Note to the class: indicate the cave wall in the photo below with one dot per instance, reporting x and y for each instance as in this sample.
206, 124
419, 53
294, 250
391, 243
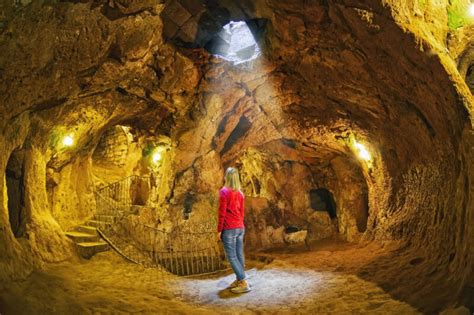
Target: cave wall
330, 73
113, 147
276, 184
70, 193
281, 188
15, 262
351, 199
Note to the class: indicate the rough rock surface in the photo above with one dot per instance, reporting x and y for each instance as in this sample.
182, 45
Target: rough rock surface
296, 237
332, 73
323, 227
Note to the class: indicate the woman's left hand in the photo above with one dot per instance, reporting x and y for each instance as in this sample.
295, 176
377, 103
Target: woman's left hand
219, 236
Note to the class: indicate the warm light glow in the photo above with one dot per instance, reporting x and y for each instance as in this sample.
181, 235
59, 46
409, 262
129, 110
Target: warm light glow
156, 157
68, 141
362, 152
470, 10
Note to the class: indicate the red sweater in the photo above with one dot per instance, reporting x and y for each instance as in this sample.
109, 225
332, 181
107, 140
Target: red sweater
231, 209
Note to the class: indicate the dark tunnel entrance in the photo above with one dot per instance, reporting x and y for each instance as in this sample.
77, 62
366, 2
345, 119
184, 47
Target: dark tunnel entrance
470, 78
322, 200
15, 193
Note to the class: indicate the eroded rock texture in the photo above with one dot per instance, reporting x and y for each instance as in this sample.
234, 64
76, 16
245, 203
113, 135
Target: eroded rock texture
126, 76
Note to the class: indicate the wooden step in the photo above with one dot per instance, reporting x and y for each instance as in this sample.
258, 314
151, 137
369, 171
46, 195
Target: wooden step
89, 249
79, 237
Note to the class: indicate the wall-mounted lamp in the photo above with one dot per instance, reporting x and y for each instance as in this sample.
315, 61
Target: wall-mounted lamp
68, 141
156, 157
362, 152
470, 10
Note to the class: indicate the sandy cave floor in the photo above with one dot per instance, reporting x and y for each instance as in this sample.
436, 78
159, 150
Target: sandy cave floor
296, 281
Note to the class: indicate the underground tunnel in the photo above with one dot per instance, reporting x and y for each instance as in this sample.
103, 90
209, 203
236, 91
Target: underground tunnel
349, 123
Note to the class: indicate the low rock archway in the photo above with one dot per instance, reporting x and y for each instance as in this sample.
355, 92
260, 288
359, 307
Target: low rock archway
15, 192
323, 200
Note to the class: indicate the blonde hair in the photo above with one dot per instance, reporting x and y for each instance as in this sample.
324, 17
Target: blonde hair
232, 179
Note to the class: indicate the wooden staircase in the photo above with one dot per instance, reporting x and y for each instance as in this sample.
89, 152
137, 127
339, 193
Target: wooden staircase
87, 239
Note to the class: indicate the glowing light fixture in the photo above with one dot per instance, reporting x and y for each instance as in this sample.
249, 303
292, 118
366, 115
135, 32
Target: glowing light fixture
156, 157
470, 10
362, 152
68, 141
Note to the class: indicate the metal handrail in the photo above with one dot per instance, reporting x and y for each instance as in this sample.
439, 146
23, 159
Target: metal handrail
174, 251
120, 181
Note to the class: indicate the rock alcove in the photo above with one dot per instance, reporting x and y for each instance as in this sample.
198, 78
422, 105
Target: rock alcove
349, 121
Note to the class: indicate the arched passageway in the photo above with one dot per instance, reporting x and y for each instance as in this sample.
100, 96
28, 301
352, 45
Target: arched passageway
15, 192
323, 200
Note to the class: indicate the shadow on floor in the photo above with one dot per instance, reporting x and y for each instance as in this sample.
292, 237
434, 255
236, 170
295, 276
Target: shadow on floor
226, 294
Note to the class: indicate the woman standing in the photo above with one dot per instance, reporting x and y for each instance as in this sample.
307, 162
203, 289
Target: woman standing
231, 227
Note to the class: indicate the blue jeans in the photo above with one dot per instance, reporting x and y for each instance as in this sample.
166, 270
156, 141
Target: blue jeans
233, 241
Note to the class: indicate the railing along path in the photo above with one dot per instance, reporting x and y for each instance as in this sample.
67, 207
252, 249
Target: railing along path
187, 249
